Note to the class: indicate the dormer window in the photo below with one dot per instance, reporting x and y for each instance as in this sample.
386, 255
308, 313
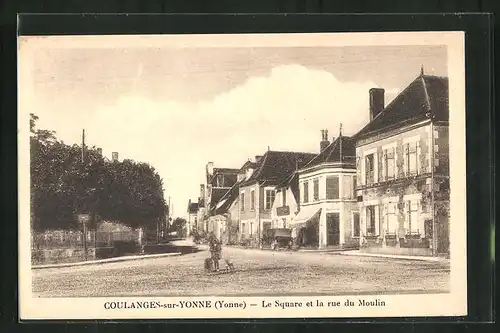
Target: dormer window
220, 180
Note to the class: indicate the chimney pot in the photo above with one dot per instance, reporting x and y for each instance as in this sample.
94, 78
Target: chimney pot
210, 168
324, 143
376, 102
114, 156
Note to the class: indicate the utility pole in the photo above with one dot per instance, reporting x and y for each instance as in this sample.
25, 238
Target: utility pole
84, 222
168, 217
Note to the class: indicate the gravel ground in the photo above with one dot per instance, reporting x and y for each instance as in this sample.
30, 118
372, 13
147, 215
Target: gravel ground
257, 273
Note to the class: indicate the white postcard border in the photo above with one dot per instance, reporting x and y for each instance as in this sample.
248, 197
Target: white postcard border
449, 304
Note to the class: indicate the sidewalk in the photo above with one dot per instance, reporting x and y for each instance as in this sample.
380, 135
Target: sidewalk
103, 261
344, 252
390, 256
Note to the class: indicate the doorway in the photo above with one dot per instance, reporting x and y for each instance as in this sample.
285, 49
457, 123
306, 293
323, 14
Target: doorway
332, 229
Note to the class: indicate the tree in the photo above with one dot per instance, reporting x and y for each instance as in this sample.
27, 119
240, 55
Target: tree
63, 185
179, 226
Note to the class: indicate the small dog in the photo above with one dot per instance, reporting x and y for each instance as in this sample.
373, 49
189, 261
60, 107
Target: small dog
229, 265
209, 265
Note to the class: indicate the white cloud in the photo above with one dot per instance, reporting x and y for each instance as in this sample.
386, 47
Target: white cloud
285, 110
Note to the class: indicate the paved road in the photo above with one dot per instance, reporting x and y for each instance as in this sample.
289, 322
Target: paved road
257, 272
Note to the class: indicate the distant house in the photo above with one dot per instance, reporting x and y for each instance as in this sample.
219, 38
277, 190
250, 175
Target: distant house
403, 166
228, 207
192, 221
201, 209
287, 202
257, 182
328, 215
218, 182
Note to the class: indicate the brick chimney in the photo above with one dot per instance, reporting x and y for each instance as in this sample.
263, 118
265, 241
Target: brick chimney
99, 151
376, 102
114, 156
210, 168
324, 140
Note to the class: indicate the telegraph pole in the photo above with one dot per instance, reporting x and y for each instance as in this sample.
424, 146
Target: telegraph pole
84, 222
83, 147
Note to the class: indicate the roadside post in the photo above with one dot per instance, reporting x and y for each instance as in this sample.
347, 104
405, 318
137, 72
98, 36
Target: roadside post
84, 219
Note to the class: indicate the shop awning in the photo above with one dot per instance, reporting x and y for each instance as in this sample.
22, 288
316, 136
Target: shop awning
305, 215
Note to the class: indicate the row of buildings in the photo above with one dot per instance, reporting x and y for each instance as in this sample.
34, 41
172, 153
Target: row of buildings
385, 189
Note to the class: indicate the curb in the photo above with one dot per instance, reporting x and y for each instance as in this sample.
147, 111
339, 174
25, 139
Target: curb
354, 254
390, 256
104, 261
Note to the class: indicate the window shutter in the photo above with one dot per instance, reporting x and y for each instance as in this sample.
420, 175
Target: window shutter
377, 166
419, 158
394, 163
332, 187
406, 152
384, 164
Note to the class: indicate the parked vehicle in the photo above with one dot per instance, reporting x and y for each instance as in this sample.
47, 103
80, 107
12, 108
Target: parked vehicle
280, 238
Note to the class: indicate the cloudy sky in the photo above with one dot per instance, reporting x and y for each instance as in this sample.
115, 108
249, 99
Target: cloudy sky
179, 107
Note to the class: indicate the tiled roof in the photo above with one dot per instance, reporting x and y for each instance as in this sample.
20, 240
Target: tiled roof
229, 174
342, 146
217, 194
426, 96
275, 166
225, 170
248, 164
227, 199
193, 208
291, 182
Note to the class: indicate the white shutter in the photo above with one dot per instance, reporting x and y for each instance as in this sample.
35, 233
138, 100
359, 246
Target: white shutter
394, 163
363, 173
405, 159
419, 160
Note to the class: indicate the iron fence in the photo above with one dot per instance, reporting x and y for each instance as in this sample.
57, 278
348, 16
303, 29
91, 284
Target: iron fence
74, 239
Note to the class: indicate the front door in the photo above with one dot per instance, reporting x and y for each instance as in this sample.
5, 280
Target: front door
332, 229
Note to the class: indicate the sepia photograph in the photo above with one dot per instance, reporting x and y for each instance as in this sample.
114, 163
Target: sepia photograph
271, 175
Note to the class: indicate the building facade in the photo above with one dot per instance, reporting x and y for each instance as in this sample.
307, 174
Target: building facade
286, 202
257, 190
218, 182
402, 158
192, 221
329, 214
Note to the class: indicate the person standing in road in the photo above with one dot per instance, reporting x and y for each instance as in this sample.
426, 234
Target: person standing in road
215, 251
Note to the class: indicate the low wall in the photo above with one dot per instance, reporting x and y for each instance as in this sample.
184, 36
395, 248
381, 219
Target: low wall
59, 256
55, 256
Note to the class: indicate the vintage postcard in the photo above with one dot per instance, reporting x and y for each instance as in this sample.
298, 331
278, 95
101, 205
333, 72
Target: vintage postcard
242, 176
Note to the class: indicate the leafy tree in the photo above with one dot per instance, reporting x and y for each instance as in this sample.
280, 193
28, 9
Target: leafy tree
179, 226
64, 183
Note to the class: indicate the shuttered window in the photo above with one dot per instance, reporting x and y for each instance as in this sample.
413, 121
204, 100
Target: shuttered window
332, 187
316, 189
355, 225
